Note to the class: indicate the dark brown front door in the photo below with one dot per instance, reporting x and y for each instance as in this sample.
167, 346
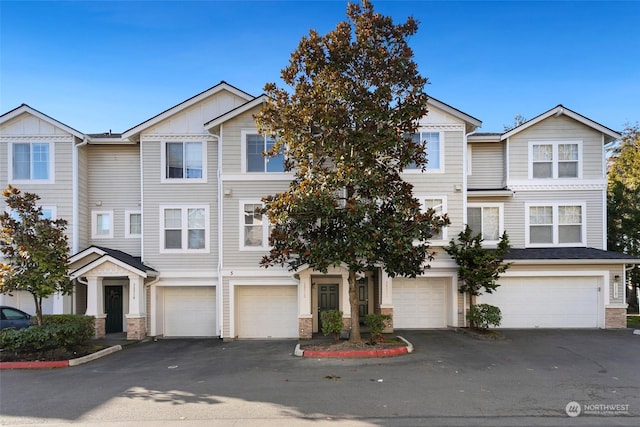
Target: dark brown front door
363, 299
113, 308
327, 299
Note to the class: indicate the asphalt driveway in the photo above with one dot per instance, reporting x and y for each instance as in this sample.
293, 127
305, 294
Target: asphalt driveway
450, 379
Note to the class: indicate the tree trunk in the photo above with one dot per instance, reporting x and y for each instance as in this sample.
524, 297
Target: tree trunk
353, 301
38, 304
471, 324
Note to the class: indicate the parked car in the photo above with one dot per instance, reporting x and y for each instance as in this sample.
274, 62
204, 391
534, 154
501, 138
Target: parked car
11, 317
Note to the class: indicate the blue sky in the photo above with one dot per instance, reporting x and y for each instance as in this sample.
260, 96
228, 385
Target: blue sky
97, 65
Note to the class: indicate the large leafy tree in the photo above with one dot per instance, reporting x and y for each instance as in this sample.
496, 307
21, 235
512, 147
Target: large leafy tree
623, 198
355, 96
35, 250
479, 268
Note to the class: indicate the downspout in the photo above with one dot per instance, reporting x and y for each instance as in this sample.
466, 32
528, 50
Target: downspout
464, 206
219, 293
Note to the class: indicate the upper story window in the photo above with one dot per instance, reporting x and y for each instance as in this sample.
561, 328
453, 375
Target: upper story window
255, 226
102, 224
132, 224
555, 224
184, 229
439, 205
184, 161
486, 218
554, 159
254, 148
432, 142
31, 161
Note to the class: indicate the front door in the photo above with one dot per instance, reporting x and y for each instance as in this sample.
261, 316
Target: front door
113, 308
363, 299
327, 300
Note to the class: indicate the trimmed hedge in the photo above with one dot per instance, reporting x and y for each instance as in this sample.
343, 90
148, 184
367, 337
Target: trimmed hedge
67, 331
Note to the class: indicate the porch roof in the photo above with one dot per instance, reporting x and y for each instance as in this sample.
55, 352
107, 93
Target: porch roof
118, 257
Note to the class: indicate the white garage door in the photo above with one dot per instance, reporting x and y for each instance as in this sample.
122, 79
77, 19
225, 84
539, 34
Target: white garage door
267, 312
419, 303
190, 311
546, 302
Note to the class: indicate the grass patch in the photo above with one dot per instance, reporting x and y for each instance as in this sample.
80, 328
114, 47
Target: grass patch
633, 321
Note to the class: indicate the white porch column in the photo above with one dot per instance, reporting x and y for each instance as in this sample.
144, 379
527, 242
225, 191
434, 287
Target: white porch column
95, 297
304, 295
344, 295
386, 299
137, 306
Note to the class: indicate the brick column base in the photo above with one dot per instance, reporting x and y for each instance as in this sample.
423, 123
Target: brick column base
615, 318
136, 328
388, 325
99, 327
305, 328
346, 322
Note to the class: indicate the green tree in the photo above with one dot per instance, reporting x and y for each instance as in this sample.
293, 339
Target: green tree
356, 97
623, 198
518, 119
35, 250
478, 268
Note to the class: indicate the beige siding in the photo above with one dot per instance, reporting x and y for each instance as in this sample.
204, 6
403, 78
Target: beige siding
557, 129
113, 185
84, 215
514, 213
487, 163
232, 141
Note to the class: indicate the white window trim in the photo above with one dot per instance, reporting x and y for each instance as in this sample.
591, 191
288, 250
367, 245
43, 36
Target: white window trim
185, 229
53, 209
265, 227
94, 223
555, 224
500, 207
52, 163
127, 224
243, 157
163, 162
554, 167
422, 197
442, 148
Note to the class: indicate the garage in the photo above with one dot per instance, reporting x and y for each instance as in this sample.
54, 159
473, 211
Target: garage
190, 311
420, 303
546, 302
267, 312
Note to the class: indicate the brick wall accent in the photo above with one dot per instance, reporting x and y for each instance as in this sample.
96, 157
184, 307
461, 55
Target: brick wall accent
100, 327
346, 321
615, 318
136, 328
305, 328
389, 325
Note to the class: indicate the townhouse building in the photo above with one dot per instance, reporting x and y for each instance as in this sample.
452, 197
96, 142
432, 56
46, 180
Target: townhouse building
166, 242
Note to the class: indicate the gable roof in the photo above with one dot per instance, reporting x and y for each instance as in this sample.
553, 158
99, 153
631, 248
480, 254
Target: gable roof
183, 105
123, 259
470, 120
24, 108
610, 135
235, 112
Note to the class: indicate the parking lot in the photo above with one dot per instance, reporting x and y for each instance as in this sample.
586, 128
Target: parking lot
529, 378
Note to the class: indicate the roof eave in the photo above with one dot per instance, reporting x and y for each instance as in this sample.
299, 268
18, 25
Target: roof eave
235, 112
24, 108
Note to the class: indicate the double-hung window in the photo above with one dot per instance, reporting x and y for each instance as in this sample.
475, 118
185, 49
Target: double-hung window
555, 224
255, 226
432, 143
132, 224
486, 218
102, 224
184, 161
554, 159
255, 147
439, 205
31, 161
184, 229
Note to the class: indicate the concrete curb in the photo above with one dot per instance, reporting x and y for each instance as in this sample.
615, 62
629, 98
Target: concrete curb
60, 363
386, 352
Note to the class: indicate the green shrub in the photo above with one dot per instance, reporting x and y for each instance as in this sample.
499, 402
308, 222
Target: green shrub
57, 331
332, 323
482, 316
376, 323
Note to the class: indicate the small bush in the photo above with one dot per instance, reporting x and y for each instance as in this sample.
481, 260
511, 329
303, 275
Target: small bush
57, 331
332, 323
482, 316
376, 323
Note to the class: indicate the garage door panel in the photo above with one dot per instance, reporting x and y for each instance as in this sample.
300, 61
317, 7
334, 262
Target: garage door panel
419, 303
267, 311
190, 311
546, 302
